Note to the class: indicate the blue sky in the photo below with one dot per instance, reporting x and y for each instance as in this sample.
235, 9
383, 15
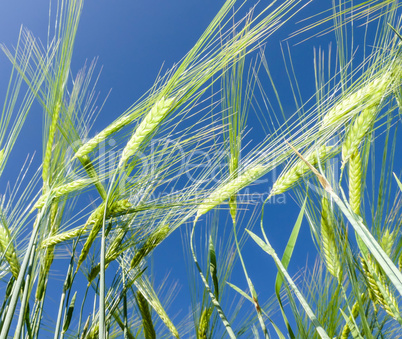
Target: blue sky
132, 39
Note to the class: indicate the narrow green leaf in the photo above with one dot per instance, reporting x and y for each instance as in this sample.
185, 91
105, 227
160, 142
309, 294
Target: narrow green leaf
287, 255
70, 311
244, 294
399, 183
268, 248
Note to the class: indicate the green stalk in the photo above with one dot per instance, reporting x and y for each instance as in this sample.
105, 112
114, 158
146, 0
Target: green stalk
24, 300
215, 302
20, 280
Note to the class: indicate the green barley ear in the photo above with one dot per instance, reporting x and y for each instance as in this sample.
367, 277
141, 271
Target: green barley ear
7, 247
227, 190
289, 178
377, 286
387, 241
355, 313
147, 324
112, 253
59, 238
91, 144
360, 127
330, 249
355, 182
147, 126
96, 219
369, 95
62, 190
204, 323
85, 329
154, 239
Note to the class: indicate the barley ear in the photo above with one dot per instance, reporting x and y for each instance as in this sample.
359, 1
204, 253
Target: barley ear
147, 324
357, 131
355, 182
59, 238
112, 253
387, 241
61, 190
290, 177
379, 291
96, 219
154, 239
226, 191
7, 247
91, 144
147, 126
330, 249
355, 313
369, 95
203, 326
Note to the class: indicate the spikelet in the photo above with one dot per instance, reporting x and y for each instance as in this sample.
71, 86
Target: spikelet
7, 247
355, 182
91, 144
357, 131
62, 190
375, 293
147, 324
291, 176
147, 126
387, 241
330, 249
204, 323
49, 145
153, 240
224, 192
355, 313
368, 95
96, 219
